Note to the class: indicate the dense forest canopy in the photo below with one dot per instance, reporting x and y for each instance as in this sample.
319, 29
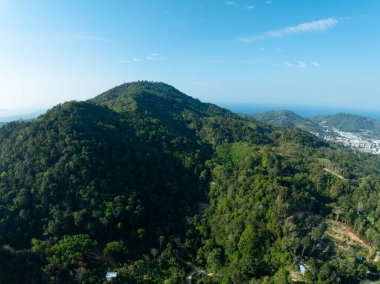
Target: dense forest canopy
149, 182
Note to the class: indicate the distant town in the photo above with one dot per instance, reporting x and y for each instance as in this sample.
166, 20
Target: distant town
354, 140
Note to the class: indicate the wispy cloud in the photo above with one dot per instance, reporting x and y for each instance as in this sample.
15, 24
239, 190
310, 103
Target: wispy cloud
268, 2
309, 27
135, 60
230, 3
302, 64
150, 57
153, 57
315, 64
299, 64
251, 7
287, 63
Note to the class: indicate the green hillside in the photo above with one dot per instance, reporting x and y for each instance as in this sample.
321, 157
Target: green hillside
149, 182
341, 121
349, 122
286, 118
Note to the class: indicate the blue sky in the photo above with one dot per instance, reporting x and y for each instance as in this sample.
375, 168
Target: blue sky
281, 52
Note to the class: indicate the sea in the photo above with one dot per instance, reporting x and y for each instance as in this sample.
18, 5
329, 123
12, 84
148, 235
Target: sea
12, 115
304, 111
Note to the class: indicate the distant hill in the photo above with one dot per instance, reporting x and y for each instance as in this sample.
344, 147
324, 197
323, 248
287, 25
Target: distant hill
24, 116
354, 131
348, 122
287, 118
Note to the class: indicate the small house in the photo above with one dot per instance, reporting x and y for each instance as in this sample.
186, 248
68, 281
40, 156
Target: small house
302, 269
111, 275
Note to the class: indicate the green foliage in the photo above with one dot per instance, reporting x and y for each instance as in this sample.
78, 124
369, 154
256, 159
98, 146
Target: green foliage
68, 255
114, 249
287, 118
350, 122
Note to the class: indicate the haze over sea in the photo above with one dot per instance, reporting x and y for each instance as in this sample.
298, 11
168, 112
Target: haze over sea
304, 111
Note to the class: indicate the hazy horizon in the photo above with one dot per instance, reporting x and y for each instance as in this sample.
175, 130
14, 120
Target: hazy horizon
302, 110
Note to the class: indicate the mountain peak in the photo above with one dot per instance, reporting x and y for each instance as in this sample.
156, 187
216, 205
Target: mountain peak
136, 88
154, 97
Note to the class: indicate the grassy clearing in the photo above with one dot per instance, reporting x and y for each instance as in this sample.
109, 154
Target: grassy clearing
346, 241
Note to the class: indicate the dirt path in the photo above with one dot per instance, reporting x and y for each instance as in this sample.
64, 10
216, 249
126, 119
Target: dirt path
190, 275
194, 270
352, 235
334, 173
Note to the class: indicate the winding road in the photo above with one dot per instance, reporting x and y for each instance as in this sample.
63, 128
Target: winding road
190, 275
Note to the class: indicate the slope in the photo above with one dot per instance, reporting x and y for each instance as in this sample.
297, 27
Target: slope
349, 123
286, 118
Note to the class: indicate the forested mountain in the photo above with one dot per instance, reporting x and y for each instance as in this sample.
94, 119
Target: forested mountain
349, 122
356, 132
149, 182
287, 118
342, 121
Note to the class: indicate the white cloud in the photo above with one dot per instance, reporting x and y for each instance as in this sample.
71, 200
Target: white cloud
153, 57
287, 63
301, 64
135, 59
298, 64
309, 27
230, 3
251, 7
315, 64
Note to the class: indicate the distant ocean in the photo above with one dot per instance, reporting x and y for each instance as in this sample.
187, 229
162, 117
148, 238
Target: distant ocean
7, 116
304, 111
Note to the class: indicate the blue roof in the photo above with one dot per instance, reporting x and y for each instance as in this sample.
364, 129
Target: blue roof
111, 275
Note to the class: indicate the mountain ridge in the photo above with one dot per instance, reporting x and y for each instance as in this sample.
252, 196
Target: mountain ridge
349, 122
354, 131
